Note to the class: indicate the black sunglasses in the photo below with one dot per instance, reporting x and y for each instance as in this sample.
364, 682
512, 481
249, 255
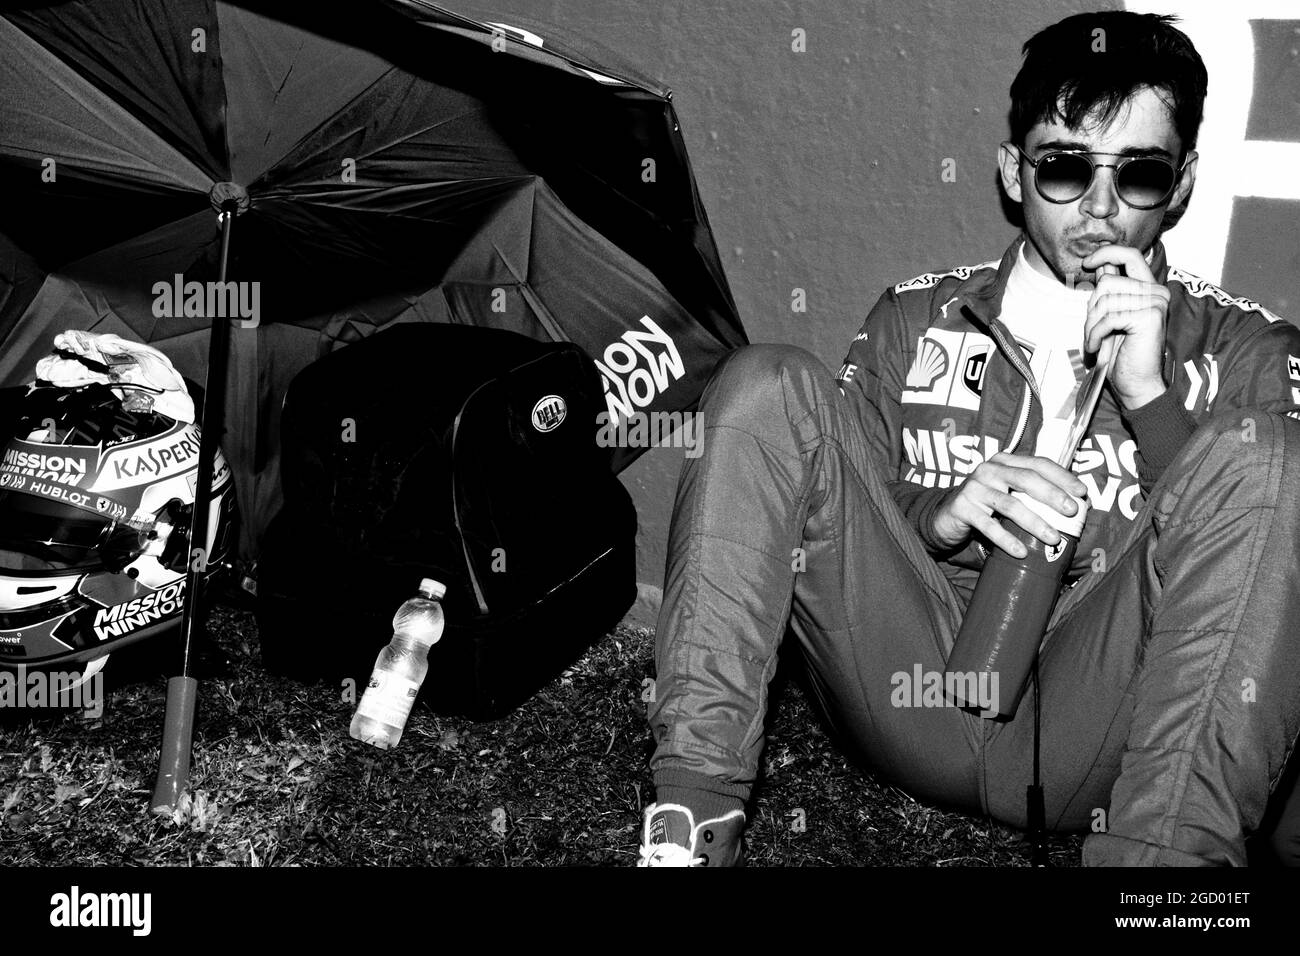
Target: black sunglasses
1143, 182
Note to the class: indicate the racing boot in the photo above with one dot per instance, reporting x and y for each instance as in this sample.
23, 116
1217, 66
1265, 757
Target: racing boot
673, 838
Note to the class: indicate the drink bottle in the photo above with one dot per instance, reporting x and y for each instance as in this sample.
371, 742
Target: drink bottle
400, 669
1013, 600
1008, 614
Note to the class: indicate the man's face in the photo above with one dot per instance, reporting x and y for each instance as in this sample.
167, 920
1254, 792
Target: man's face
1062, 235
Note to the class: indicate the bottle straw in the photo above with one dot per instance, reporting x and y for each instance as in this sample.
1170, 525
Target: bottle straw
1090, 391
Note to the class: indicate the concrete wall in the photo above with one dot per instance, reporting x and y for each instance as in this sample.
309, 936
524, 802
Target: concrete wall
822, 170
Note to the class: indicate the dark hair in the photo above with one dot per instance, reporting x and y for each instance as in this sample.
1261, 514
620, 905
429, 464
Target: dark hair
1096, 61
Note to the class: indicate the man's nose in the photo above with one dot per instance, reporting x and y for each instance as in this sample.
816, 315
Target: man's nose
1101, 201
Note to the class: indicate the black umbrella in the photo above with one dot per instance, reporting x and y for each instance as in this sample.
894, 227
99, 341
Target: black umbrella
389, 162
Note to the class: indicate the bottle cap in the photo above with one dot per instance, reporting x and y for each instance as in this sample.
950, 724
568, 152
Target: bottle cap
432, 589
1065, 524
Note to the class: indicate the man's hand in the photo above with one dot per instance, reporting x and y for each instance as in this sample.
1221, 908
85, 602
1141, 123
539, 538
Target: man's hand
1136, 306
971, 505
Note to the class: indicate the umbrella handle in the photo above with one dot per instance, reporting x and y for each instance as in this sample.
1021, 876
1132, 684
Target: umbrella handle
178, 734
182, 689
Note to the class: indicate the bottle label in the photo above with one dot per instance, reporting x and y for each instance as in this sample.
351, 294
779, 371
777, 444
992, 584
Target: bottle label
388, 698
1065, 524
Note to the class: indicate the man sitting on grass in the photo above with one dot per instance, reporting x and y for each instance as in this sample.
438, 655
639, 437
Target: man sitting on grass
860, 511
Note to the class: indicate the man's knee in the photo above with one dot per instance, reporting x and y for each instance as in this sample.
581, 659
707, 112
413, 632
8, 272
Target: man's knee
754, 376
1244, 433
1245, 450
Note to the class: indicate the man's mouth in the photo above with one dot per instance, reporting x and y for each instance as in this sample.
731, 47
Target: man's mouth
1084, 246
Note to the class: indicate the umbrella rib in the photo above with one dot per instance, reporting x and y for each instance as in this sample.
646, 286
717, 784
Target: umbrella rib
543, 314
330, 196
182, 173
270, 128
530, 294
124, 171
402, 139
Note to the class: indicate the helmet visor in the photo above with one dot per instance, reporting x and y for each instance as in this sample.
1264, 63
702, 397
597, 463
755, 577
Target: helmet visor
37, 534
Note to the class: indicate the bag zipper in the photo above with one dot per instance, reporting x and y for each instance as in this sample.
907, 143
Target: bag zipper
479, 597
455, 507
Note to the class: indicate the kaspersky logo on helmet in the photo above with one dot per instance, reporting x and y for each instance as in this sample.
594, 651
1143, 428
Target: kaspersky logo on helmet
174, 452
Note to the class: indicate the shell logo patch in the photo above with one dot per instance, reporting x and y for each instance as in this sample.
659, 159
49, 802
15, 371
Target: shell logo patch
930, 364
948, 369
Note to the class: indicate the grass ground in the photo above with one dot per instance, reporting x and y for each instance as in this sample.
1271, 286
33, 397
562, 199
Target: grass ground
277, 781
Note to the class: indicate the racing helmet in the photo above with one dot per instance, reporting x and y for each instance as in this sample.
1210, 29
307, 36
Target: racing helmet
96, 496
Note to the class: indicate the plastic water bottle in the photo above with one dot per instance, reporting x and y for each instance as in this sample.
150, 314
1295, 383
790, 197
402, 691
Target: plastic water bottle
400, 669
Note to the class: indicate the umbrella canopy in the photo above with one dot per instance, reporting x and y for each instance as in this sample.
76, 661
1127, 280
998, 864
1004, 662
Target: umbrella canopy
394, 162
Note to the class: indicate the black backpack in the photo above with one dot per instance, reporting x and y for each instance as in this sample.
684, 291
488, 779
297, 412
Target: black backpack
460, 453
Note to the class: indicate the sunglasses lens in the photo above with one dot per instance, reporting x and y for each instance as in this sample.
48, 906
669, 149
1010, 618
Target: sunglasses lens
1145, 182
1063, 177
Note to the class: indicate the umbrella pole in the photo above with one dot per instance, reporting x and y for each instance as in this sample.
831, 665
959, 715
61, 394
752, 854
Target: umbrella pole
182, 689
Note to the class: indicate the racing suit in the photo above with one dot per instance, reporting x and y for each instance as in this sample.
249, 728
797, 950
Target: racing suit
1170, 672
